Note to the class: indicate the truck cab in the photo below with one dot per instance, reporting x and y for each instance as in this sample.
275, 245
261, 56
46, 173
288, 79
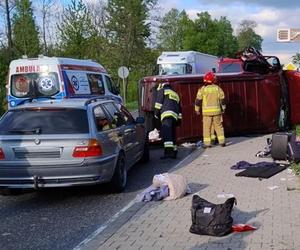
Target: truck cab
185, 62
230, 65
57, 78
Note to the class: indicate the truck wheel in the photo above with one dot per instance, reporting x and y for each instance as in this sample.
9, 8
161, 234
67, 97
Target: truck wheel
279, 146
119, 179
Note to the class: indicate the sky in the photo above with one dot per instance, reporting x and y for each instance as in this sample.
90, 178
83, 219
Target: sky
268, 14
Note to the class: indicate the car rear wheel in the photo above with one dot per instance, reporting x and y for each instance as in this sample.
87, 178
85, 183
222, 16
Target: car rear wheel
119, 179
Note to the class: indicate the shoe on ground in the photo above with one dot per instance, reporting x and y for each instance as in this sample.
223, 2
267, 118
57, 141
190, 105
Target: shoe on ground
223, 145
214, 142
206, 146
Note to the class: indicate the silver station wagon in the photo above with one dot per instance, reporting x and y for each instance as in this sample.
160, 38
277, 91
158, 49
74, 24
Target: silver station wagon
68, 143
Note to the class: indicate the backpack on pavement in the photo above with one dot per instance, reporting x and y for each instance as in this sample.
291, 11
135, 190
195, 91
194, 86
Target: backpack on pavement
211, 219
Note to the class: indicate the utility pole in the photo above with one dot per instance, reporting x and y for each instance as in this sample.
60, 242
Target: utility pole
8, 29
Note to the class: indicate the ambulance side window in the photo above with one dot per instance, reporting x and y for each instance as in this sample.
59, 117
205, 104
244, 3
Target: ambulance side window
96, 84
110, 85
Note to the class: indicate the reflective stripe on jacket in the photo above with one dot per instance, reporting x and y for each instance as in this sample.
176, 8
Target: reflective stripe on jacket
167, 104
211, 97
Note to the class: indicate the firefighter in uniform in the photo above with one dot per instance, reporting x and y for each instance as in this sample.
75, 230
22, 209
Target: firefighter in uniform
167, 108
211, 96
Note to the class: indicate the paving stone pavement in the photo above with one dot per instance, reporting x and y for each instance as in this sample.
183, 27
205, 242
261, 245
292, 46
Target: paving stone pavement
165, 224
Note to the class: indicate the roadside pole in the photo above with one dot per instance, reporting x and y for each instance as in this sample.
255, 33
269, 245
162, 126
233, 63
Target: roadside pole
123, 73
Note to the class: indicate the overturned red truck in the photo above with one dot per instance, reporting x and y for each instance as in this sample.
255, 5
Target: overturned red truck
260, 97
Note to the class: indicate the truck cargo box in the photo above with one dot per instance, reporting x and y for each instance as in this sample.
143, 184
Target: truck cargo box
253, 102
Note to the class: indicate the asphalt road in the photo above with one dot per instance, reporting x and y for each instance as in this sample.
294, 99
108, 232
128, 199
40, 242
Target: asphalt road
62, 218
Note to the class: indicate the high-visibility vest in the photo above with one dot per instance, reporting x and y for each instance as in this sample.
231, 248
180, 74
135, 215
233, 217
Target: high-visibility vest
211, 97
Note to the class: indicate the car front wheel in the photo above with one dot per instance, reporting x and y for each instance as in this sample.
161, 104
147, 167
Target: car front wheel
119, 179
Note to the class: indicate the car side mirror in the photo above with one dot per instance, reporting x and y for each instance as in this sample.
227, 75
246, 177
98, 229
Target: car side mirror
140, 120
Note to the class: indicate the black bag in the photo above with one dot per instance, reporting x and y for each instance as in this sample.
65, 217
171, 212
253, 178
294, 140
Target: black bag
211, 219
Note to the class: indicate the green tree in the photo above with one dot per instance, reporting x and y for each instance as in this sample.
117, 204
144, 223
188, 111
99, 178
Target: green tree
25, 34
129, 29
202, 36
247, 37
4, 62
76, 31
172, 29
227, 42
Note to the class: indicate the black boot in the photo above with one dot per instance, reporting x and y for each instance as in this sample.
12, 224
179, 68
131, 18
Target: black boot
168, 153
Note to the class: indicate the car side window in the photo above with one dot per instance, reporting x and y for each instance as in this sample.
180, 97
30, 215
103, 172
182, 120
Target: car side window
128, 117
96, 84
117, 118
101, 120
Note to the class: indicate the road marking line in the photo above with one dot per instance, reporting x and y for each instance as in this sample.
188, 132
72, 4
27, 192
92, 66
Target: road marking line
118, 214
103, 226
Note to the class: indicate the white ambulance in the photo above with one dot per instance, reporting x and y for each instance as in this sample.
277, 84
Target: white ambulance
57, 78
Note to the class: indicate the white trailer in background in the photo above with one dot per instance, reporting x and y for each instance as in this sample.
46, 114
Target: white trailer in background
186, 62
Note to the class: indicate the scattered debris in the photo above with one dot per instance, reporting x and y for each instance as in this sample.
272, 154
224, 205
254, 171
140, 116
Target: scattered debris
273, 187
188, 145
154, 135
243, 228
6, 234
224, 195
165, 186
266, 152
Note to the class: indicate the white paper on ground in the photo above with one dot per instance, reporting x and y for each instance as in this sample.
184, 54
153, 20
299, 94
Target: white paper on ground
226, 196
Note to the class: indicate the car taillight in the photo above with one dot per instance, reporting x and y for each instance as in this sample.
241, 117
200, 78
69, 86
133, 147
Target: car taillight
92, 149
2, 156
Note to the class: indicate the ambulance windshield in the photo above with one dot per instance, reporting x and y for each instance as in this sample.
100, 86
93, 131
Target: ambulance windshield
34, 85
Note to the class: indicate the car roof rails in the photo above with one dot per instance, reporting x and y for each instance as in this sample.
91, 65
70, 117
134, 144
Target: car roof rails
98, 98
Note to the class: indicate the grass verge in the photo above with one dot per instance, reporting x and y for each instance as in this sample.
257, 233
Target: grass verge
296, 168
131, 106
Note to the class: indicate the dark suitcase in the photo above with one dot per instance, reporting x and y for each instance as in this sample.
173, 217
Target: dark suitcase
279, 146
293, 149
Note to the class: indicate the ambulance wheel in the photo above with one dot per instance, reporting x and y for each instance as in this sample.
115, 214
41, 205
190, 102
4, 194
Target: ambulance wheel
119, 179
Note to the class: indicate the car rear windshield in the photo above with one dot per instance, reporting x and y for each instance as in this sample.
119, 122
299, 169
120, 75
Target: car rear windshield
44, 121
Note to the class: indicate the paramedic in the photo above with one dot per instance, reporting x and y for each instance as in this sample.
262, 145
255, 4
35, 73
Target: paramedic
211, 96
167, 109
